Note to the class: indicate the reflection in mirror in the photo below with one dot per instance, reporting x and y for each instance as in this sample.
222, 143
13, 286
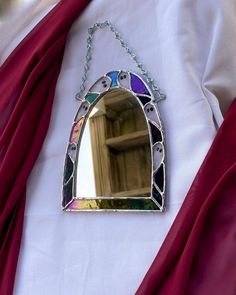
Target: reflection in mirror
114, 158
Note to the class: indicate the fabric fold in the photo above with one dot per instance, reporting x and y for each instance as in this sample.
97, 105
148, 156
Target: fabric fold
28, 79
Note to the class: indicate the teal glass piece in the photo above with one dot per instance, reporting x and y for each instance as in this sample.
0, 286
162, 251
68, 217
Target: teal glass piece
114, 78
91, 97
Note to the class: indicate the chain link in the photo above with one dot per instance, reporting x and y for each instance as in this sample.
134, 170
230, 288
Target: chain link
145, 74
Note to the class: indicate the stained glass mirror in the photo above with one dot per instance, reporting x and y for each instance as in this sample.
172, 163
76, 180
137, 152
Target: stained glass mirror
115, 158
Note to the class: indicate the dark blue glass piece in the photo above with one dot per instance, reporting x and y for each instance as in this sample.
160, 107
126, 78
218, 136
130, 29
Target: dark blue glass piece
114, 78
159, 177
137, 85
156, 133
67, 193
68, 169
157, 196
144, 99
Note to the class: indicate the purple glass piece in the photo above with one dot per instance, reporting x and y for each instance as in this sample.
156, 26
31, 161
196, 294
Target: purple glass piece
137, 85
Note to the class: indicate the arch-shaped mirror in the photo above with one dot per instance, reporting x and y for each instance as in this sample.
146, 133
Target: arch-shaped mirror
115, 158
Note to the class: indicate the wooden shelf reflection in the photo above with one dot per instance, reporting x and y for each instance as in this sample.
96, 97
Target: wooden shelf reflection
129, 140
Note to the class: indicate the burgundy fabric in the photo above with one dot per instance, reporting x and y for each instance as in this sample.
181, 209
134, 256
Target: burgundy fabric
198, 256
27, 85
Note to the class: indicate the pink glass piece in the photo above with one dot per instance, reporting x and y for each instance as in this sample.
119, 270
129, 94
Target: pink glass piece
76, 131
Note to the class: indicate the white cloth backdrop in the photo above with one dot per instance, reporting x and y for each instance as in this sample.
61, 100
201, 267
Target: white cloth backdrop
189, 48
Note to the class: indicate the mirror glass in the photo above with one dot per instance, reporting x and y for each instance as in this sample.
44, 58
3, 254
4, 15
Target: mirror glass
114, 158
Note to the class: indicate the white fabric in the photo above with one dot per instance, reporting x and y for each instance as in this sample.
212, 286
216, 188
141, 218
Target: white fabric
189, 48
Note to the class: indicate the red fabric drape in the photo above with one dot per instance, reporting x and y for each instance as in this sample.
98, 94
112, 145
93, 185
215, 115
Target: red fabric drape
198, 256
27, 85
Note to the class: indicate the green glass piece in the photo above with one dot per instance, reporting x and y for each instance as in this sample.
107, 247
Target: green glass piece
91, 97
114, 204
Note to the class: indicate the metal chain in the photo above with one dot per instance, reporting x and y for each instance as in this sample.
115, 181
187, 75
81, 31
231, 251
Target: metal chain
123, 44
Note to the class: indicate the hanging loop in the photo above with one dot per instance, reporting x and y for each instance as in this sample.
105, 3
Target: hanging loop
145, 74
